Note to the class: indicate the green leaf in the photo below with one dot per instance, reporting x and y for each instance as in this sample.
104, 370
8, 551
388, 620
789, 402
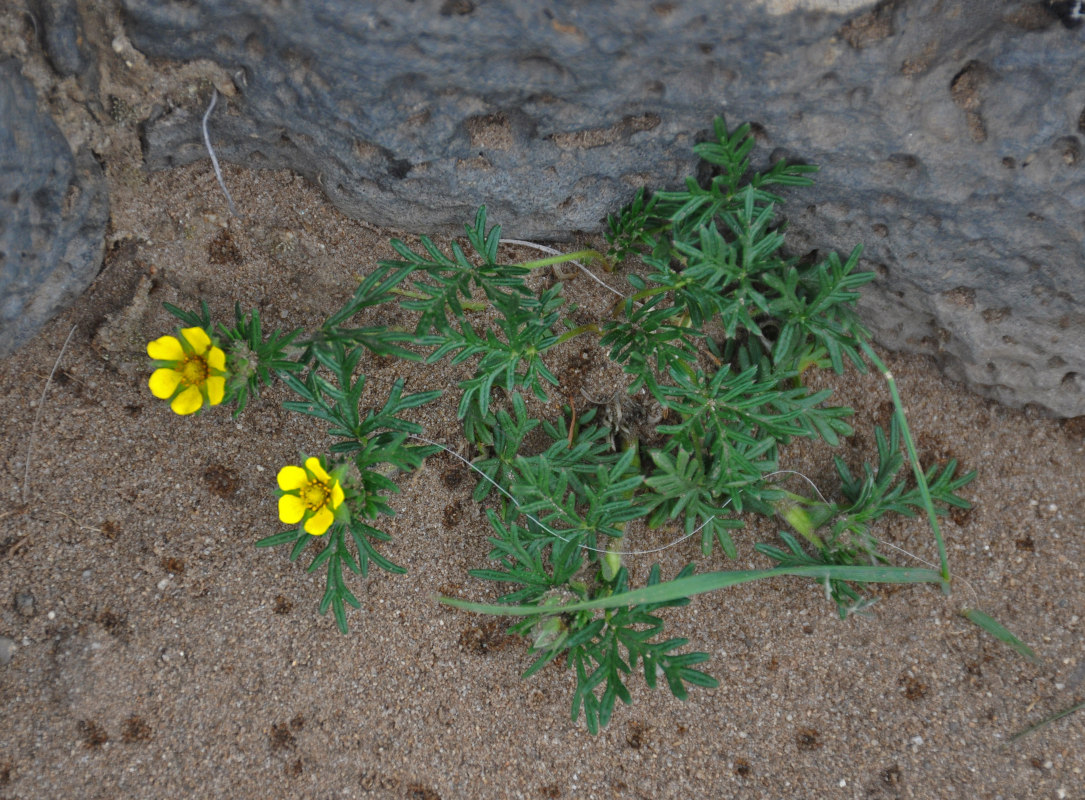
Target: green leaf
1047, 721
993, 627
286, 537
190, 318
710, 582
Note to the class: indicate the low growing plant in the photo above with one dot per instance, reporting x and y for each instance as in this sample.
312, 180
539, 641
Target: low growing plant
715, 330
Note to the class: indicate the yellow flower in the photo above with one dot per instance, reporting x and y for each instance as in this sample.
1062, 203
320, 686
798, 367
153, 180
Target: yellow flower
309, 493
191, 370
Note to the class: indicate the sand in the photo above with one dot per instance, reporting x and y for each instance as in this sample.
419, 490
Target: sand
151, 651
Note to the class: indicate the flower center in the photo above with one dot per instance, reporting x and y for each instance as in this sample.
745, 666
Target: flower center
314, 495
193, 370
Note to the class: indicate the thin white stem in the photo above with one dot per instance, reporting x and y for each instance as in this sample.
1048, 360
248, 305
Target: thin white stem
37, 418
515, 502
551, 251
211, 152
813, 485
956, 578
667, 546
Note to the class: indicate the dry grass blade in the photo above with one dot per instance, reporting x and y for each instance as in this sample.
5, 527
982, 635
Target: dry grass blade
37, 418
1047, 721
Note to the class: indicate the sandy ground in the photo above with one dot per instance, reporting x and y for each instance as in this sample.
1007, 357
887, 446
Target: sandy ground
155, 653
149, 650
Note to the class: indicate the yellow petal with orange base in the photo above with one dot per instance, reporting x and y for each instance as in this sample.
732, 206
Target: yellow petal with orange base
291, 478
165, 348
313, 465
291, 509
164, 381
198, 338
216, 388
319, 523
187, 402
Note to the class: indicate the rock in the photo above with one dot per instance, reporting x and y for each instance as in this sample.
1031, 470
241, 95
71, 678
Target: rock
7, 650
60, 29
949, 136
53, 211
24, 604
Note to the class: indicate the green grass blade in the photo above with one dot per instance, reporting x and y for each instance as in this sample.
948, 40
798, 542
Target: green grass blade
917, 469
995, 628
1047, 721
710, 582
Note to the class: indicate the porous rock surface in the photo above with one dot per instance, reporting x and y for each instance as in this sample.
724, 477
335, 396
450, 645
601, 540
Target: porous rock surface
54, 206
949, 136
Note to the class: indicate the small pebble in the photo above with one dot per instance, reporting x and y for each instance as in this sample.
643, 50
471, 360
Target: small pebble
24, 604
7, 648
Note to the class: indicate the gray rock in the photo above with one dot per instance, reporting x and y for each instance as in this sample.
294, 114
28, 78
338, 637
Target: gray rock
24, 603
53, 211
413, 114
963, 176
949, 136
7, 650
60, 29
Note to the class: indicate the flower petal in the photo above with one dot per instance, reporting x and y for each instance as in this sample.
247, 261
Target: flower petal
165, 348
187, 402
337, 496
291, 509
216, 389
198, 338
164, 381
313, 465
319, 523
292, 478
216, 359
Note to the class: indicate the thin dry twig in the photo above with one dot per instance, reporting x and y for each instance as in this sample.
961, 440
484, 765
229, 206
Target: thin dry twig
1047, 721
211, 152
37, 418
79, 524
14, 549
543, 248
10, 548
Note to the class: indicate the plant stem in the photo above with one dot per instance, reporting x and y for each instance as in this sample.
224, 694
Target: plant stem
1047, 720
921, 479
561, 258
469, 305
644, 294
572, 334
